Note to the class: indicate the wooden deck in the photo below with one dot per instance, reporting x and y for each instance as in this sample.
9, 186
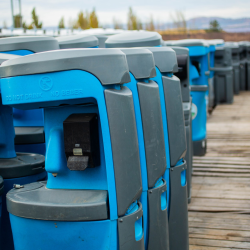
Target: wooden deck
219, 213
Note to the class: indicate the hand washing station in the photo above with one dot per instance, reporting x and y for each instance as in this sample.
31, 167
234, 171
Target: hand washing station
91, 198
183, 74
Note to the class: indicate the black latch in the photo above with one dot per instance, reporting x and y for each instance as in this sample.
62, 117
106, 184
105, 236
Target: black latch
81, 141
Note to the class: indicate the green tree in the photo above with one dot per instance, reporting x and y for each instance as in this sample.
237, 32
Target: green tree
134, 22
35, 20
214, 26
93, 19
83, 20
61, 24
18, 21
150, 25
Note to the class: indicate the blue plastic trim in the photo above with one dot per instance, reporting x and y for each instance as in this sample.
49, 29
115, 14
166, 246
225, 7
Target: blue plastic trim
144, 202
212, 48
183, 178
132, 208
48, 234
199, 122
197, 50
7, 132
194, 74
20, 52
30, 118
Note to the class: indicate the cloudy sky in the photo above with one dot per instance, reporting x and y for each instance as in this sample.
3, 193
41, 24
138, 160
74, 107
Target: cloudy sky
50, 11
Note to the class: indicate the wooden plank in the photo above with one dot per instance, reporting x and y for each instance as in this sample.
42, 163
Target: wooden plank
219, 237
220, 215
192, 247
219, 243
219, 226
220, 232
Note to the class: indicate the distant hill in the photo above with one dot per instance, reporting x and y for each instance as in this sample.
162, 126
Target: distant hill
227, 24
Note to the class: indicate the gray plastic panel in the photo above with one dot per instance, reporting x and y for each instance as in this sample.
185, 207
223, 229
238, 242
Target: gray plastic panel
248, 75
223, 82
77, 41
198, 87
223, 57
236, 80
211, 92
125, 149
178, 213
23, 164
134, 39
165, 59
31, 43
35, 201
5, 57
158, 235
29, 135
1, 185
200, 147
183, 53
140, 62
188, 159
242, 77
152, 130
126, 231
112, 70
175, 118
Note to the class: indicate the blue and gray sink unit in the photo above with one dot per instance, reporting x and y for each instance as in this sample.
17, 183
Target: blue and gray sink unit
151, 146
236, 65
94, 181
175, 144
198, 73
183, 74
245, 64
78, 41
21, 168
29, 123
173, 128
223, 79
